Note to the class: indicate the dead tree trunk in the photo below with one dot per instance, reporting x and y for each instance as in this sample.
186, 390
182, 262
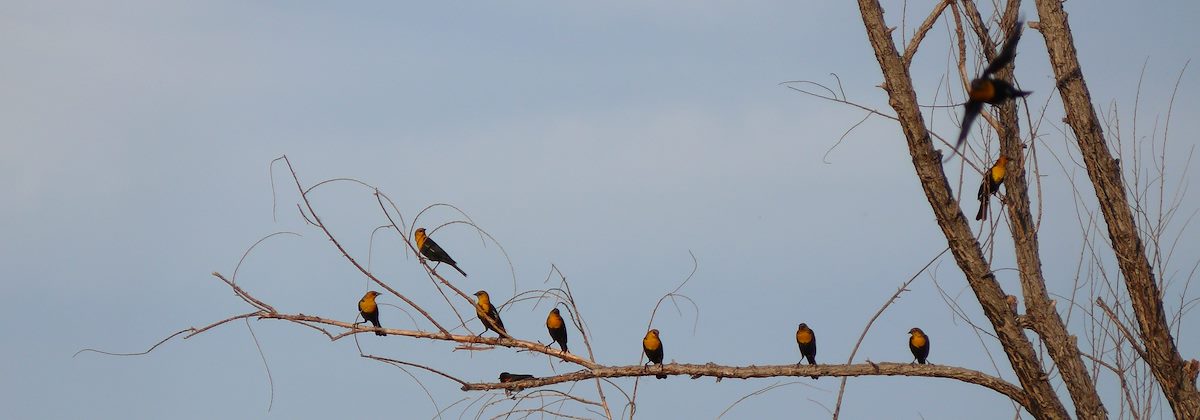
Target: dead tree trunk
1039, 311
1044, 402
1105, 173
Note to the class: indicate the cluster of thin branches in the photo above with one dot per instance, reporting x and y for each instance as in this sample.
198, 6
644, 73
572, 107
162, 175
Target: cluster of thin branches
536, 394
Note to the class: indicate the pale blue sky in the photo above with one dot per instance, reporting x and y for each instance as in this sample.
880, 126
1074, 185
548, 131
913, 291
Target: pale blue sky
609, 139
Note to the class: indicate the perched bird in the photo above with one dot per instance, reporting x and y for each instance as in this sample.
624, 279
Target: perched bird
808, 344
488, 315
432, 251
985, 89
557, 328
513, 377
370, 311
506, 377
654, 350
991, 183
919, 344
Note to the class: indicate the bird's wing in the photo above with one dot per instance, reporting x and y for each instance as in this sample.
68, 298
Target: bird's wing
495, 316
1008, 52
985, 189
970, 111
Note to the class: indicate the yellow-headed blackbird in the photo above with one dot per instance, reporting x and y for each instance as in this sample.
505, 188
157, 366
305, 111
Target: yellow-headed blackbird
985, 89
506, 377
919, 344
991, 183
558, 329
808, 344
488, 315
652, 345
432, 251
370, 311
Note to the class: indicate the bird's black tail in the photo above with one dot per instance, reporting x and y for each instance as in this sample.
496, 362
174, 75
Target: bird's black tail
563, 346
812, 360
499, 329
970, 111
983, 208
464, 273
985, 196
661, 376
376, 324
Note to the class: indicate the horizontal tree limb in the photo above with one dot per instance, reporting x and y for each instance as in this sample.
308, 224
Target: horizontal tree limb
466, 339
747, 372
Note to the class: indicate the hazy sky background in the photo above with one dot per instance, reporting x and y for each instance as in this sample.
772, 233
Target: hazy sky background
609, 139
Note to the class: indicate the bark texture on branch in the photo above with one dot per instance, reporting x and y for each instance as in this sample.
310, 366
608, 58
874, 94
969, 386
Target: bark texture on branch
1043, 401
747, 372
1105, 173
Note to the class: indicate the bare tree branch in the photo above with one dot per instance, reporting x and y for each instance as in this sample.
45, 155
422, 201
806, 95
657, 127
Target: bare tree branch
789, 370
915, 42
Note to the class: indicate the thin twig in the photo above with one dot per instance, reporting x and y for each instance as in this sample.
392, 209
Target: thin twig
915, 42
903, 288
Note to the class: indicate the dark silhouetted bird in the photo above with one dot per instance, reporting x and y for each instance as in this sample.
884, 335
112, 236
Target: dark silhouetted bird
808, 344
557, 328
652, 345
370, 311
513, 377
432, 251
488, 315
991, 183
506, 377
985, 89
918, 342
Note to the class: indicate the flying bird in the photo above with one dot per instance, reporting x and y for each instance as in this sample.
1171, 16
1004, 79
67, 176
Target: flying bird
432, 251
986, 89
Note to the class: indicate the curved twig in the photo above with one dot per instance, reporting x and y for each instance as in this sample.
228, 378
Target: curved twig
761, 391
903, 288
346, 254
134, 354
